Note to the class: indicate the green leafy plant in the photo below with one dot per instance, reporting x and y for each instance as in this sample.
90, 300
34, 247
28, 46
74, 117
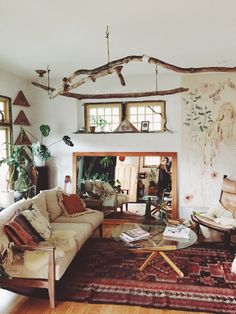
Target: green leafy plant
41, 150
20, 162
99, 122
106, 162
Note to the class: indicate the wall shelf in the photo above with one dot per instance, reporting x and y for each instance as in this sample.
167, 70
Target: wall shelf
92, 133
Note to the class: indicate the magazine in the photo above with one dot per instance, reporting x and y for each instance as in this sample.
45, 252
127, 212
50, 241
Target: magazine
179, 231
134, 235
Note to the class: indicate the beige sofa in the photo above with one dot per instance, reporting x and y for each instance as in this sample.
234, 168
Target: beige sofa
30, 268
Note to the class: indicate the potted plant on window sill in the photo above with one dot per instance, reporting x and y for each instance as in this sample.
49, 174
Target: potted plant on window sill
41, 151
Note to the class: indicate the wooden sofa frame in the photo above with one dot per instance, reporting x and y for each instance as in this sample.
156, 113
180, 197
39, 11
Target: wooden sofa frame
11, 283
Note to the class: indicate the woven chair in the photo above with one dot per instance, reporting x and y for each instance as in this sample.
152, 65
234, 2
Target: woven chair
228, 200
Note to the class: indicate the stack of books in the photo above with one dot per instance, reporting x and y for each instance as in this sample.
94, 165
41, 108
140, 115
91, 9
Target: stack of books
133, 235
179, 232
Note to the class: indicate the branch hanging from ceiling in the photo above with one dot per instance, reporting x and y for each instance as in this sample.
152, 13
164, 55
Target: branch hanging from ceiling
116, 67
125, 95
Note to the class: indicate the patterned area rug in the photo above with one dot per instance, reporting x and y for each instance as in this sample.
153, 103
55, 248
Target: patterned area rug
105, 271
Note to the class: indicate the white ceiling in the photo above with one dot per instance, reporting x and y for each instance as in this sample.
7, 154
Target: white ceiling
70, 34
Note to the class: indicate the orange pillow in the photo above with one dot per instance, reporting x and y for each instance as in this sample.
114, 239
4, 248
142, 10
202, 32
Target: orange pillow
73, 204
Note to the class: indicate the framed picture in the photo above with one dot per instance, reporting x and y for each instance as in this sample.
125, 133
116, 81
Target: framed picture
144, 126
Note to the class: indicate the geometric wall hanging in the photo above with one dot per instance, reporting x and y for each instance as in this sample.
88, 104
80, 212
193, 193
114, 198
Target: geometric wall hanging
126, 126
20, 100
22, 139
21, 119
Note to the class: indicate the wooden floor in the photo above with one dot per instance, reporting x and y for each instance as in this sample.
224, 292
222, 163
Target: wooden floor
11, 303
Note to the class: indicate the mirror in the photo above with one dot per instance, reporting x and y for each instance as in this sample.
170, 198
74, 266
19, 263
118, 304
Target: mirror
139, 174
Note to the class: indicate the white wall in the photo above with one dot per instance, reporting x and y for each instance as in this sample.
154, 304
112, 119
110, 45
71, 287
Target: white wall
59, 113
65, 115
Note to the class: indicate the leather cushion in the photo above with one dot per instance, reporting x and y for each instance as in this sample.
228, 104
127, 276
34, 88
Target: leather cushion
229, 186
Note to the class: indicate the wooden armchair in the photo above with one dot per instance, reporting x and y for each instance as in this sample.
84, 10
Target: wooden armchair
228, 200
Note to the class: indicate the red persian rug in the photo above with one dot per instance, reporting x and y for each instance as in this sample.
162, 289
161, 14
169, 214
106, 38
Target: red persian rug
105, 271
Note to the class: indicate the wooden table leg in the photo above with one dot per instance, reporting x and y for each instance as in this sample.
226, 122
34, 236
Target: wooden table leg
148, 260
172, 264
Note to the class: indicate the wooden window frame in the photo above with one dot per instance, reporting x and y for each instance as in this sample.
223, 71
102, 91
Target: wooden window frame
147, 103
107, 104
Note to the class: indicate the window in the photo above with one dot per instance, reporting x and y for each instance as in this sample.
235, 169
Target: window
151, 111
5, 136
151, 161
106, 117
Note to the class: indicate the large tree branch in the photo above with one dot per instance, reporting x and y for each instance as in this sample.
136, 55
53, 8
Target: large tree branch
116, 66
126, 95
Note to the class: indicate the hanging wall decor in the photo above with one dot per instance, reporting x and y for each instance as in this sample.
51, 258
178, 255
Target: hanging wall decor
21, 119
21, 100
23, 139
126, 126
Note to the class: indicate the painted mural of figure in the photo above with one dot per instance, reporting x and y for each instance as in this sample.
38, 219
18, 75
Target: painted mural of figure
221, 130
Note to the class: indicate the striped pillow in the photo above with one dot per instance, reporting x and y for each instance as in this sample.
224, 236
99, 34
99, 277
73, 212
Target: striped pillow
20, 231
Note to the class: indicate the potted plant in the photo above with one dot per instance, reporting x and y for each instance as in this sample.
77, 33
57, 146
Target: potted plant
21, 172
99, 123
41, 151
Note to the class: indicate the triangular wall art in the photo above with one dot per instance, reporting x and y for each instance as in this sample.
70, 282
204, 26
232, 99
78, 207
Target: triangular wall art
21, 100
22, 139
21, 119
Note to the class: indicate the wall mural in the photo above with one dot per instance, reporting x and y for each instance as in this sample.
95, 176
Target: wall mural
209, 137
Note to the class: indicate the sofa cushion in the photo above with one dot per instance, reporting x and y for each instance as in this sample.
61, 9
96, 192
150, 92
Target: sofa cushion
63, 240
20, 231
38, 222
18, 269
40, 202
52, 199
83, 230
73, 204
92, 217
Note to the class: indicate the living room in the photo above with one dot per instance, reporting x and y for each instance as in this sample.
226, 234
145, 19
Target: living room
66, 36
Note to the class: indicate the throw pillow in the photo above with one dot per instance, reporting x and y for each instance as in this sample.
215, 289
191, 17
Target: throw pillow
39, 201
53, 207
38, 222
73, 204
20, 231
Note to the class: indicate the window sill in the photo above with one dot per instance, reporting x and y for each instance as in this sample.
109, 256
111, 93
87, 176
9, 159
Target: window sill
125, 132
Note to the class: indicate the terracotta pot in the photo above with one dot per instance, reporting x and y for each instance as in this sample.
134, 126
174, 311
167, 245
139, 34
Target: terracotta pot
92, 129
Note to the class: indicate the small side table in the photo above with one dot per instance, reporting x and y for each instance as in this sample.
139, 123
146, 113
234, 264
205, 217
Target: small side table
93, 203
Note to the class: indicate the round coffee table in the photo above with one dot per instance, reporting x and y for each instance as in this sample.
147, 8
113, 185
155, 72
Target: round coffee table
155, 244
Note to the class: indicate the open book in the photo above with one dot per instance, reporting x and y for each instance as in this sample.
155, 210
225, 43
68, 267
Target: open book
134, 235
179, 231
